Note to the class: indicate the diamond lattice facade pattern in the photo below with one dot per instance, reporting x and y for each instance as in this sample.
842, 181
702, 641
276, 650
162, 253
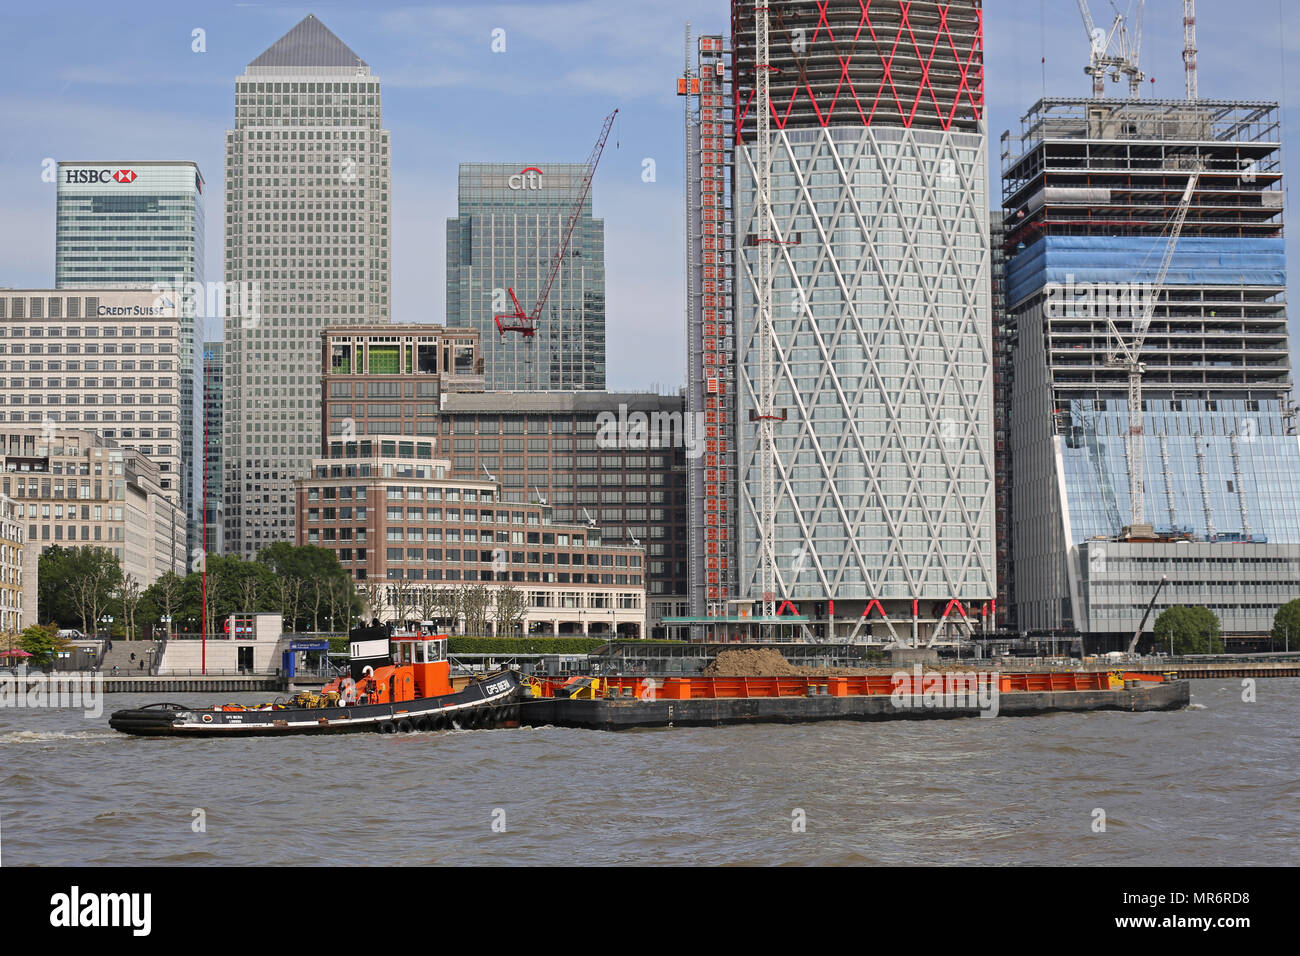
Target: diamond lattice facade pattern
880, 311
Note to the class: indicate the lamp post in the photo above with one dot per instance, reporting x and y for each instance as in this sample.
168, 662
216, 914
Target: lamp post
166, 621
107, 621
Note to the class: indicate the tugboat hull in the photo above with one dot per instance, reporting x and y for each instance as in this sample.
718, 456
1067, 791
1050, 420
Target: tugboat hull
492, 701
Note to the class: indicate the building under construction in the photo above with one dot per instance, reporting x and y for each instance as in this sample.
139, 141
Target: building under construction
856, 337
1090, 190
710, 327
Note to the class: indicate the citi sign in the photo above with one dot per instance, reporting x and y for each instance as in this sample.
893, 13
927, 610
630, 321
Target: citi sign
530, 178
100, 176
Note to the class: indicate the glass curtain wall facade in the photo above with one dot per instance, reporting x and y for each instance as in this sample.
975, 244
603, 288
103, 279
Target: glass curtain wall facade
881, 315
509, 225
1089, 192
140, 225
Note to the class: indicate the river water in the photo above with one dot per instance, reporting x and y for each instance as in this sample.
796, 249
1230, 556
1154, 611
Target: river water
1216, 784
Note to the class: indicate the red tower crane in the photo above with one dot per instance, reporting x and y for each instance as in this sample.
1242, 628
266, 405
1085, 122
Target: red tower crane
523, 322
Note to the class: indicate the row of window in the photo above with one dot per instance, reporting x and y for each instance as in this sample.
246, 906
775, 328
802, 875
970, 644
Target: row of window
516, 577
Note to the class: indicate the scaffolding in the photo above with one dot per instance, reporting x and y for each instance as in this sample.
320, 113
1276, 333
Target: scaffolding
710, 332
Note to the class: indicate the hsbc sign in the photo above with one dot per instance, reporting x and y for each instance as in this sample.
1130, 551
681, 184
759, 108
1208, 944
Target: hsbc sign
82, 175
530, 178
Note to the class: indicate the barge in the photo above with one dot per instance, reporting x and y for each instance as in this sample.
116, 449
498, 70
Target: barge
629, 703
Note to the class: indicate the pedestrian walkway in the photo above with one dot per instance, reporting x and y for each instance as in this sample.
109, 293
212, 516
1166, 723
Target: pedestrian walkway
120, 655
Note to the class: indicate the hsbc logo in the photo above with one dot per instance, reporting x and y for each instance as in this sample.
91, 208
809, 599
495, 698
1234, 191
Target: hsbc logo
530, 178
100, 176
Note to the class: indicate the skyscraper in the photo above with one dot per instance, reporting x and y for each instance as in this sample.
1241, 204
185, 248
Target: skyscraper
139, 225
1091, 188
877, 248
213, 410
510, 221
307, 246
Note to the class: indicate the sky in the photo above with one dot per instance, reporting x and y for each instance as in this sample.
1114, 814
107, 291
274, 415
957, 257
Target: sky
113, 82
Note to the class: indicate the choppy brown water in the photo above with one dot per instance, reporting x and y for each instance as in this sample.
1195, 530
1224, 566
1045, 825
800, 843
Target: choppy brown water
1212, 785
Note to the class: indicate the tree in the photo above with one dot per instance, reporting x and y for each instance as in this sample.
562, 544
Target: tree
426, 601
42, 641
75, 585
163, 598
1286, 624
341, 597
94, 576
373, 592
1194, 630
289, 591
55, 600
475, 599
129, 595
446, 603
309, 565
511, 605
401, 599
317, 587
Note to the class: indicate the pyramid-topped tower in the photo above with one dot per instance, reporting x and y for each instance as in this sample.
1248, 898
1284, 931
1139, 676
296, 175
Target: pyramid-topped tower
307, 247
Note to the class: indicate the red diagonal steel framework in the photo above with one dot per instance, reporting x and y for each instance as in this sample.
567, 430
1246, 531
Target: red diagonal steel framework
880, 37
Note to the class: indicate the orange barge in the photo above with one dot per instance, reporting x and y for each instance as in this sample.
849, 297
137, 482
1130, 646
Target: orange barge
613, 703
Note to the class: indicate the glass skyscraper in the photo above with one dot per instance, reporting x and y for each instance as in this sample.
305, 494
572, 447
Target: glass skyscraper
510, 222
139, 225
880, 317
307, 246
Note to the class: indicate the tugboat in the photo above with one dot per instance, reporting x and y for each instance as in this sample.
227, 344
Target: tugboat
395, 684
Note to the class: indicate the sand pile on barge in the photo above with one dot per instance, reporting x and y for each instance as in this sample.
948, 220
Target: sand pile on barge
751, 662
768, 662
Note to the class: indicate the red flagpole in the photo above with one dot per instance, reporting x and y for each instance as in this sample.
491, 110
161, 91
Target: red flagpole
204, 518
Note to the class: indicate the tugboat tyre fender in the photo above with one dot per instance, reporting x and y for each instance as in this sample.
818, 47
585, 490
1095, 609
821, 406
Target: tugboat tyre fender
387, 727
405, 727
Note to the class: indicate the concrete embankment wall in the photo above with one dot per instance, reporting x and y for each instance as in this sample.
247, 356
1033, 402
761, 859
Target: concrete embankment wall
155, 684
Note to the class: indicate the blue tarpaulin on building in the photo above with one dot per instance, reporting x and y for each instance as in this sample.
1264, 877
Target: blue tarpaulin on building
1197, 260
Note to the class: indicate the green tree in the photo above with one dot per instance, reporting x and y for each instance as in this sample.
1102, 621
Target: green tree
316, 570
163, 599
53, 595
42, 641
1286, 624
1194, 630
76, 585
